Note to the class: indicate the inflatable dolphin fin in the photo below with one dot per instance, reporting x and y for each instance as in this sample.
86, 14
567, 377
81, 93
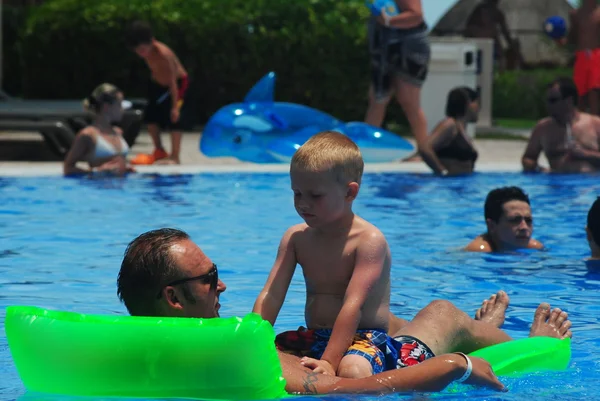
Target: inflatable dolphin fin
262, 91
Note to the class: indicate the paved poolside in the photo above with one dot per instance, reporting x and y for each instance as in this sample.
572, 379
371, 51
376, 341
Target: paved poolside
26, 154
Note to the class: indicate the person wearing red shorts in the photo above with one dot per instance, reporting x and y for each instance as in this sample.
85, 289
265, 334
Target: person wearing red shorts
168, 105
584, 34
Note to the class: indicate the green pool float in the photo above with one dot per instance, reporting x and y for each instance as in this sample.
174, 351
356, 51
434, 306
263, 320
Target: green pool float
77, 354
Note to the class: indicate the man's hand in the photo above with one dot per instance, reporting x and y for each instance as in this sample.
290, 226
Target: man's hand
318, 365
174, 115
483, 375
575, 151
383, 18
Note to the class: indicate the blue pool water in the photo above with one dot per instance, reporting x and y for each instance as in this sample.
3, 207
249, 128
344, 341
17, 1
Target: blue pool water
61, 243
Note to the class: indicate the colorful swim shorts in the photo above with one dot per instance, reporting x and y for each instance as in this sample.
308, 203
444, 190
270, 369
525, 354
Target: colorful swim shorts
411, 351
373, 345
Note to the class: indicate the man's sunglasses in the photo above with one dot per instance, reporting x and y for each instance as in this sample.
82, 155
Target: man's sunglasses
212, 278
554, 99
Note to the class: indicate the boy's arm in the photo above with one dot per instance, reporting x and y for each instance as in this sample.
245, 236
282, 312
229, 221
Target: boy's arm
169, 61
370, 260
271, 297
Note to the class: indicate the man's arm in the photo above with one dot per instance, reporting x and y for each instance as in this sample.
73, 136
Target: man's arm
434, 374
533, 150
411, 14
370, 260
269, 301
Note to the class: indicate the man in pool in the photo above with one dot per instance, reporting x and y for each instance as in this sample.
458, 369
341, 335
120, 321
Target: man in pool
164, 273
507, 214
569, 138
592, 230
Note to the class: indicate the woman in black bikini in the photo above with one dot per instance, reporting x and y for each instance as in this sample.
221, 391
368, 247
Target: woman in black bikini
451, 144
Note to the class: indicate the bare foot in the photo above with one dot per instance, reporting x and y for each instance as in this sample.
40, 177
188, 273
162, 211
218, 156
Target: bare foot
493, 310
167, 160
548, 323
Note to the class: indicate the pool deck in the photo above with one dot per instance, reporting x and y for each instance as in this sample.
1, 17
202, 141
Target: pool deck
25, 154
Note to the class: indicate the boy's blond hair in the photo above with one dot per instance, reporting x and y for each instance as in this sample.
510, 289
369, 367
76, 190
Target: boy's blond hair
330, 151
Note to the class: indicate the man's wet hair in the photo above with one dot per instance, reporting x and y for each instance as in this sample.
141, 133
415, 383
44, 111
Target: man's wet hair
496, 199
593, 221
138, 33
148, 266
567, 88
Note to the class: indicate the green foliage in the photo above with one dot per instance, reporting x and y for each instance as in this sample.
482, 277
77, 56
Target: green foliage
318, 49
521, 94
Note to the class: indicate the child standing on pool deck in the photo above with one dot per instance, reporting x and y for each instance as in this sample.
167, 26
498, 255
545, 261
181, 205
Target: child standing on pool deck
168, 95
346, 265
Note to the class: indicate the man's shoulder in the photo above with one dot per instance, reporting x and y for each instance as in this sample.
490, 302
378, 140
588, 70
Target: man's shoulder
479, 244
542, 125
535, 244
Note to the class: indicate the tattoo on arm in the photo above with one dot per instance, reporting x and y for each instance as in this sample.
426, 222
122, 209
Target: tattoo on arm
309, 382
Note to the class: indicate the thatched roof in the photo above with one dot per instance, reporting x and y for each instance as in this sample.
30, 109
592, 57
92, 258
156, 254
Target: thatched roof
525, 19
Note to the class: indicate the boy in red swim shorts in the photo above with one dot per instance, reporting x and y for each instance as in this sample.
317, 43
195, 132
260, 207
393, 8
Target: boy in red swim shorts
584, 34
168, 95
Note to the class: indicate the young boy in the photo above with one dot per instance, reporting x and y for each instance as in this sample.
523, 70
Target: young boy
168, 97
345, 261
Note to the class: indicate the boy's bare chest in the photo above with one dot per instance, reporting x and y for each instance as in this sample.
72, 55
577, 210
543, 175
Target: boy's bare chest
327, 262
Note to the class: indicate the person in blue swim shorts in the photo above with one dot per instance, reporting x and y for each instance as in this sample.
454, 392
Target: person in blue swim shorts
164, 273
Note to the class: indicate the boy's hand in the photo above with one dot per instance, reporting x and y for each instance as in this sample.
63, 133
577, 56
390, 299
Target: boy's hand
318, 365
174, 115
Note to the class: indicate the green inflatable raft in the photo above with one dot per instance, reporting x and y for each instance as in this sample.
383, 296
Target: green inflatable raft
76, 354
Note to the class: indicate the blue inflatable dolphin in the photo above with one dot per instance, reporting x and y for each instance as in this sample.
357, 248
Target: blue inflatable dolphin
261, 130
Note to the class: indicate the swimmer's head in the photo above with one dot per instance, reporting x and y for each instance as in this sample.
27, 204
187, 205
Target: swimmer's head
106, 99
508, 217
330, 152
164, 273
457, 103
139, 38
325, 175
593, 224
562, 98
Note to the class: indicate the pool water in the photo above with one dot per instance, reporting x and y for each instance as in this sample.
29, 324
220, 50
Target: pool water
62, 240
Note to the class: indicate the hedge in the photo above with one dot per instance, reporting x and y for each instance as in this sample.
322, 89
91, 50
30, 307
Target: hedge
520, 94
317, 48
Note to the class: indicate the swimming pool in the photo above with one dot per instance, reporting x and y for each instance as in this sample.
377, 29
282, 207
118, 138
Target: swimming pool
62, 241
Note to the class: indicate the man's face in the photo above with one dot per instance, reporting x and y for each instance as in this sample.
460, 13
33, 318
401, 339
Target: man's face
196, 298
514, 227
558, 107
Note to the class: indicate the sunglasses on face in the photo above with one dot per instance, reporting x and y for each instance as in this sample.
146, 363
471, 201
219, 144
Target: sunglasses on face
212, 278
515, 220
554, 99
